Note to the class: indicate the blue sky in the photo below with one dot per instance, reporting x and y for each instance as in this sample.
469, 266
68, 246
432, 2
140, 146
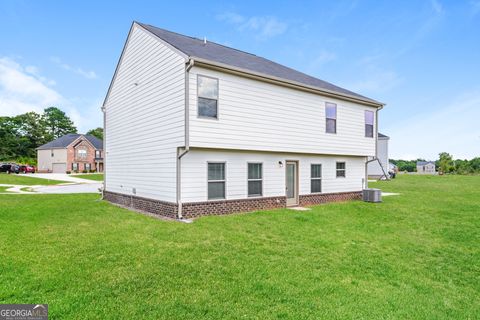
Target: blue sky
422, 58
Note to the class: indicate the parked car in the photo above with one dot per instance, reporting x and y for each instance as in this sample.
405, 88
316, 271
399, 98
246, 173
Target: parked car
26, 169
9, 168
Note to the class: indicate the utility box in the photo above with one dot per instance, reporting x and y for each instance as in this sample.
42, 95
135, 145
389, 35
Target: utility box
372, 195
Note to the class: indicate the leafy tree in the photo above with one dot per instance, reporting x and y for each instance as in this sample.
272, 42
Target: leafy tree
57, 123
97, 132
445, 162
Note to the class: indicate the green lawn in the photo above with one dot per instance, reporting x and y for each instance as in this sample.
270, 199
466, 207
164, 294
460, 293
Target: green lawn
21, 179
91, 176
4, 189
414, 256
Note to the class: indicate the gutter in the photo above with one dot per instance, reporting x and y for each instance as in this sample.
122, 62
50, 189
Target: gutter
181, 152
104, 111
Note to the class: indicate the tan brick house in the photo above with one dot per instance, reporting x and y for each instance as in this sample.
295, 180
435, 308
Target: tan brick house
71, 152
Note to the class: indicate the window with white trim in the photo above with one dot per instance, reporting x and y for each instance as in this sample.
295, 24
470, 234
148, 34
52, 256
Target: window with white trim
207, 97
316, 178
341, 170
75, 166
87, 166
331, 117
369, 118
255, 179
216, 180
82, 153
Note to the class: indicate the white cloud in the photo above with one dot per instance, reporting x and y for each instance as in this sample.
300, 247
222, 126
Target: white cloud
452, 128
86, 74
437, 6
24, 89
322, 58
264, 26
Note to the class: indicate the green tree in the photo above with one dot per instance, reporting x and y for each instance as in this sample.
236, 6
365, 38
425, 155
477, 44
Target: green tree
97, 132
31, 131
445, 162
57, 123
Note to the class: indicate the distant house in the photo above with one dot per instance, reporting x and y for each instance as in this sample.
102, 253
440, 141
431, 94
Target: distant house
426, 167
375, 171
72, 152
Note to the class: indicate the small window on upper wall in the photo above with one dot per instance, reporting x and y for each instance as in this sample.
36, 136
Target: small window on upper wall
369, 118
341, 170
331, 117
207, 96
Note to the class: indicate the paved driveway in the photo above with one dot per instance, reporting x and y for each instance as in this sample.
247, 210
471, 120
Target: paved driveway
63, 177
71, 188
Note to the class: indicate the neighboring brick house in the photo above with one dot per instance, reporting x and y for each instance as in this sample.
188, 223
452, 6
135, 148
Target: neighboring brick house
72, 152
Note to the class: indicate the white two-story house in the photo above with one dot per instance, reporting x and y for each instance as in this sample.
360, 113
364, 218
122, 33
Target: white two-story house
193, 127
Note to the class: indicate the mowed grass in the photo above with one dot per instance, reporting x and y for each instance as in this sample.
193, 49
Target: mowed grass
414, 256
20, 179
91, 176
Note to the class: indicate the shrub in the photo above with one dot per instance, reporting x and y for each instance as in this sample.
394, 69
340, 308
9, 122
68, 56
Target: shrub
84, 171
69, 172
92, 171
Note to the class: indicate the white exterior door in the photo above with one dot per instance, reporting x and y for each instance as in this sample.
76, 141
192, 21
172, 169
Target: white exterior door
291, 183
59, 167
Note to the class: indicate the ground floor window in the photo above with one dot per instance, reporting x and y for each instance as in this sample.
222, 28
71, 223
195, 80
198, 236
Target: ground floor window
341, 169
75, 166
88, 166
216, 180
255, 182
316, 178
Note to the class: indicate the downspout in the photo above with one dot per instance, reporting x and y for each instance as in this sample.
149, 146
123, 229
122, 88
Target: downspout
104, 111
376, 147
183, 151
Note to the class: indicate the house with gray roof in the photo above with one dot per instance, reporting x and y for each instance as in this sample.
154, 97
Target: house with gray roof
219, 130
426, 167
72, 152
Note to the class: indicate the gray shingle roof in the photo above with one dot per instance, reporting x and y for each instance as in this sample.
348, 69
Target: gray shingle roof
422, 163
381, 135
196, 48
67, 139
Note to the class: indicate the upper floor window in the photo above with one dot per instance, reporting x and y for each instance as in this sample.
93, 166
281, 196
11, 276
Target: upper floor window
316, 178
82, 153
331, 116
341, 170
216, 180
369, 118
207, 96
255, 176
98, 154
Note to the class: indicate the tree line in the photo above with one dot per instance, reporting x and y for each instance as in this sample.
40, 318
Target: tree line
445, 164
20, 135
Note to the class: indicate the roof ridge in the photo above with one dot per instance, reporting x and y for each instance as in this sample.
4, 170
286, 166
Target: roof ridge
201, 40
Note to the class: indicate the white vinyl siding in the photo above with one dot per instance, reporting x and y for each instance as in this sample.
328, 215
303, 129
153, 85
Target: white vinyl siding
374, 169
255, 115
145, 119
194, 173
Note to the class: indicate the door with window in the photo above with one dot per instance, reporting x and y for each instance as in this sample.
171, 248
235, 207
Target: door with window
291, 183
